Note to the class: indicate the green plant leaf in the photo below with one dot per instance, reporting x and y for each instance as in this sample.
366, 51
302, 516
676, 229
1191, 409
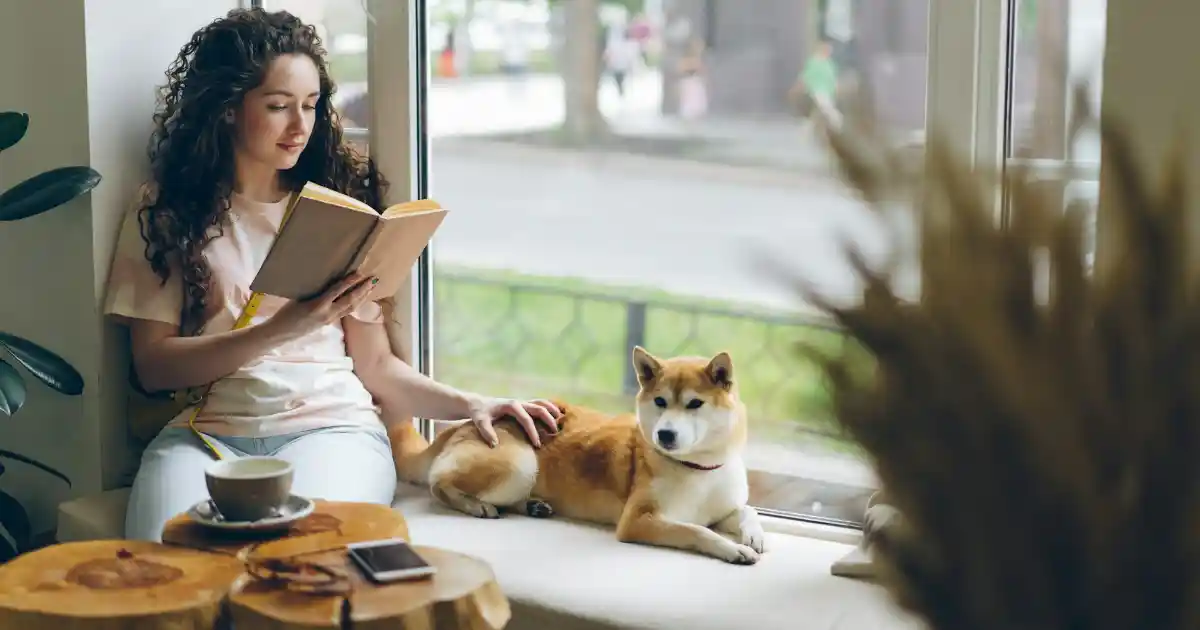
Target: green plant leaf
15, 520
7, 552
46, 191
12, 389
17, 457
48, 367
13, 126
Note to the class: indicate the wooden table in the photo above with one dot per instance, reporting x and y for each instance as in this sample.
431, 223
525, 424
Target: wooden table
331, 525
300, 578
125, 584
462, 595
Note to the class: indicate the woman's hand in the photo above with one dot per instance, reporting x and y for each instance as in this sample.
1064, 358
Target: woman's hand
485, 410
300, 317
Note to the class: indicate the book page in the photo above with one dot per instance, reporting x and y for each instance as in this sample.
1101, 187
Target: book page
408, 207
395, 246
321, 193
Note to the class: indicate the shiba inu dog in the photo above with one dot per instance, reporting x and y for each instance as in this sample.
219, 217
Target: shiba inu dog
670, 474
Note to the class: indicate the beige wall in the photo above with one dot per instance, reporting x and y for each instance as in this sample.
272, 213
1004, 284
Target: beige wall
86, 72
1150, 84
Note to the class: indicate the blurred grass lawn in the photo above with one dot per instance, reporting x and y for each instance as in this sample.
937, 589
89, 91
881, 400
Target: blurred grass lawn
528, 336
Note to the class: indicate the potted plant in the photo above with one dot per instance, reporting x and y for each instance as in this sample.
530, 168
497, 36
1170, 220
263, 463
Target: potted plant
31, 197
1038, 450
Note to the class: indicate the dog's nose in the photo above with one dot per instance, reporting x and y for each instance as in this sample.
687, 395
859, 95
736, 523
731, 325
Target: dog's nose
666, 438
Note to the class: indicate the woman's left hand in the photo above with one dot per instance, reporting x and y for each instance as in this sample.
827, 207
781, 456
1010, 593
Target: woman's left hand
485, 410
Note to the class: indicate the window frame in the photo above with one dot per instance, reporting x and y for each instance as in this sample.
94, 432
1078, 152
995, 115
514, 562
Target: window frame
399, 143
963, 92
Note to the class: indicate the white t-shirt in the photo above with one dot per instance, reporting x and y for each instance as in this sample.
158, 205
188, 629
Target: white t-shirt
304, 384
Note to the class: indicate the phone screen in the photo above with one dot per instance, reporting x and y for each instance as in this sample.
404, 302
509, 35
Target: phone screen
390, 557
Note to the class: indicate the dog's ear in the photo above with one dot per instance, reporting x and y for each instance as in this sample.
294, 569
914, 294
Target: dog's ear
720, 370
646, 365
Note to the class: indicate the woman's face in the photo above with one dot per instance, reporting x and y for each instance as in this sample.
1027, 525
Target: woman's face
276, 118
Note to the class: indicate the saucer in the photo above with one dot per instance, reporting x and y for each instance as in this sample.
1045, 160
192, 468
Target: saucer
296, 508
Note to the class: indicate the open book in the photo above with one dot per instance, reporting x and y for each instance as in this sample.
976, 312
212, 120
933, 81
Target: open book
327, 235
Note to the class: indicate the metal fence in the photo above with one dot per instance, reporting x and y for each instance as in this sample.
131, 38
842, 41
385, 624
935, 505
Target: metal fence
553, 339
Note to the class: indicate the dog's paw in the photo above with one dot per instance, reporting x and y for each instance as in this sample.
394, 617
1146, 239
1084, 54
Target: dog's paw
485, 510
755, 539
538, 509
737, 554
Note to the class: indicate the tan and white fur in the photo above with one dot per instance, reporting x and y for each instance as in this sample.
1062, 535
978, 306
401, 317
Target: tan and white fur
671, 474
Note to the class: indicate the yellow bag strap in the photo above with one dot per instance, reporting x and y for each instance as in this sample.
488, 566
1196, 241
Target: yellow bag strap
243, 320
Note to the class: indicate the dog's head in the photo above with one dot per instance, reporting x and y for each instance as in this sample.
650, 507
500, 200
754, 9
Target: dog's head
688, 405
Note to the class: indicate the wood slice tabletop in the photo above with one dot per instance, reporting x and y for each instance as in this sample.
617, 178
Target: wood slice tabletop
332, 524
205, 579
461, 595
109, 584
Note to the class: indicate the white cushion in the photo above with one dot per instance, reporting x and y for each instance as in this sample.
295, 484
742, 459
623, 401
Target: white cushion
93, 517
560, 574
572, 576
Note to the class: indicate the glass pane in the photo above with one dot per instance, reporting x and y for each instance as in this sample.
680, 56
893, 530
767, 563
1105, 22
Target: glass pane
1051, 35
342, 26
614, 168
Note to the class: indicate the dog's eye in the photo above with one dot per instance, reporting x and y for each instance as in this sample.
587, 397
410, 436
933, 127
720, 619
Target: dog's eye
695, 403
661, 402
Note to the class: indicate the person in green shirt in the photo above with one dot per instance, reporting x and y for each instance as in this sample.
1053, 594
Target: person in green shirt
819, 82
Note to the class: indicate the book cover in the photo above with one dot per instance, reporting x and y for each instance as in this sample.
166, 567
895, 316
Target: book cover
327, 235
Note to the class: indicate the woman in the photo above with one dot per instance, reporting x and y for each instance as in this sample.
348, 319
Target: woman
245, 120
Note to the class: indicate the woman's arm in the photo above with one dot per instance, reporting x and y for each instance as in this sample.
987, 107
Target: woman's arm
394, 383
166, 361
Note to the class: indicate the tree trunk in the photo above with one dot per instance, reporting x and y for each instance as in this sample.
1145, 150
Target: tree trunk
1051, 92
583, 43
115, 584
673, 49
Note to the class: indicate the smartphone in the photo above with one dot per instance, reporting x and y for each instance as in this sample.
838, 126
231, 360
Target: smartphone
389, 560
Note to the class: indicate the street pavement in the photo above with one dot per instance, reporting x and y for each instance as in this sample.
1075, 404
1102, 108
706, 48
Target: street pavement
690, 233
630, 219
502, 104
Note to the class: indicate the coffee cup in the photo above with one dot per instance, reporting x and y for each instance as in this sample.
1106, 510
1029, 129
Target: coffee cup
249, 488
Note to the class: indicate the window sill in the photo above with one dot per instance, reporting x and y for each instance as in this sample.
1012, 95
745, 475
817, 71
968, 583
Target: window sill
561, 574
805, 529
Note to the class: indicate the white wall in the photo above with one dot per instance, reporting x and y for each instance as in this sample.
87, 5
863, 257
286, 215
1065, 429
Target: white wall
86, 72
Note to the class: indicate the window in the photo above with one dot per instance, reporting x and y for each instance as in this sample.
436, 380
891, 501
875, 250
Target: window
350, 31
1045, 35
616, 166
342, 26
613, 169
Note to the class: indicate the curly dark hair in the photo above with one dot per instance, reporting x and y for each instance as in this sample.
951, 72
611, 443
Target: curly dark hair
191, 148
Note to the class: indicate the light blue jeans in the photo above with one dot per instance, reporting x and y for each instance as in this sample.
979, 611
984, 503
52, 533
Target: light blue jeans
338, 464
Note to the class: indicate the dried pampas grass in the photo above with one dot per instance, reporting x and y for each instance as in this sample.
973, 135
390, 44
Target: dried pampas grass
1044, 453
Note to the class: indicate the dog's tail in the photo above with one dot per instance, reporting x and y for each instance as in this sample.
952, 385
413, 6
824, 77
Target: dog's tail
413, 454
